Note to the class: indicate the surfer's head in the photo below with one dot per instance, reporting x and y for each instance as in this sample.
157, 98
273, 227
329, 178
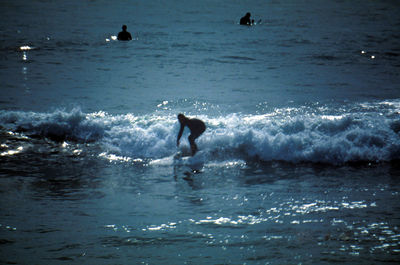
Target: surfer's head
248, 15
124, 27
182, 118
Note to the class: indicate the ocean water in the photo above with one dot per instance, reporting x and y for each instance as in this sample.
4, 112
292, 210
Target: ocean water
299, 163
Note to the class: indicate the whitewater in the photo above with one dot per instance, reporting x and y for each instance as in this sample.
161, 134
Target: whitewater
363, 133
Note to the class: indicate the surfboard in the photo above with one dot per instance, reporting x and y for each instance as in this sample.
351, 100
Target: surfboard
183, 151
186, 165
181, 157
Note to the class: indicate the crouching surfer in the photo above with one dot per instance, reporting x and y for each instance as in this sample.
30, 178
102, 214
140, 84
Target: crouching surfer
196, 126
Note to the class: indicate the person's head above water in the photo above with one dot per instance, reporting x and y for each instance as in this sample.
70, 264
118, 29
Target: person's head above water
182, 118
124, 27
248, 15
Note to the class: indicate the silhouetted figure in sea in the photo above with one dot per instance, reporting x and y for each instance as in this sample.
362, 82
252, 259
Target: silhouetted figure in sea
196, 126
124, 35
246, 20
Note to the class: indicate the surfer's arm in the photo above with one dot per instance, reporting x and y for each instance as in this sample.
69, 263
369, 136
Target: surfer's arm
180, 134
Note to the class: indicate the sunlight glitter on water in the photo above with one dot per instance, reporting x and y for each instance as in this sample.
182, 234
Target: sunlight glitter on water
170, 225
25, 48
12, 152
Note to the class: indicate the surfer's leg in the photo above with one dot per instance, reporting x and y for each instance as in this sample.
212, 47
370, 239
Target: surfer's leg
193, 145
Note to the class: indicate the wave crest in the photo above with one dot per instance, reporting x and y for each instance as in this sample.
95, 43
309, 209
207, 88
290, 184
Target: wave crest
58, 126
350, 136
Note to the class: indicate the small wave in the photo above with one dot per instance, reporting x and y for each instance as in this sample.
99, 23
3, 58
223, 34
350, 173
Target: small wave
326, 57
240, 58
58, 126
367, 133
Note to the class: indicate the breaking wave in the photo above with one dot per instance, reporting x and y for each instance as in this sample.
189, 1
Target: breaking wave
367, 133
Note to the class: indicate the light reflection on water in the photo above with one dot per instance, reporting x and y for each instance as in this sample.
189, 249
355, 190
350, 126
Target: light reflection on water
323, 223
74, 205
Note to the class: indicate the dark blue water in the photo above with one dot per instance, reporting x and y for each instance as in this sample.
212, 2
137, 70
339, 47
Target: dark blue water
298, 165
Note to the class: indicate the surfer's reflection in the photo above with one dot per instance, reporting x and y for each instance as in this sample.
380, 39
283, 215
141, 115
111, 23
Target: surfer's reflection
187, 173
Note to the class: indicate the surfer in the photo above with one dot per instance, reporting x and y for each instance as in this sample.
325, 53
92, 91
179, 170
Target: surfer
124, 35
196, 126
246, 20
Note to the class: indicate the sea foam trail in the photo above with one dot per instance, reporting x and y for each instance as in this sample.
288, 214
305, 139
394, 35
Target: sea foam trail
367, 134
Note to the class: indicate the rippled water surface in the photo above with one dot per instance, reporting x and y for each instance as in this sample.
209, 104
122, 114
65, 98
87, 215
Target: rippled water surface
65, 205
299, 163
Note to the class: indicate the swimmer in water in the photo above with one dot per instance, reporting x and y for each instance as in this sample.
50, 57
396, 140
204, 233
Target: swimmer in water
124, 35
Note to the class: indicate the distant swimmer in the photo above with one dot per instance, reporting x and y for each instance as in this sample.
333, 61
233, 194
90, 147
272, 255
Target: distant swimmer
246, 20
124, 35
197, 127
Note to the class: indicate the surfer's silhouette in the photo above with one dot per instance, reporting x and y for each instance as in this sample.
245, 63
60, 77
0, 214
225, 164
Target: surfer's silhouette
246, 20
196, 126
124, 35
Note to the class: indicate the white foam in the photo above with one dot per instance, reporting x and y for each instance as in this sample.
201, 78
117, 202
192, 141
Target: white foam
61, 125
367, 134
